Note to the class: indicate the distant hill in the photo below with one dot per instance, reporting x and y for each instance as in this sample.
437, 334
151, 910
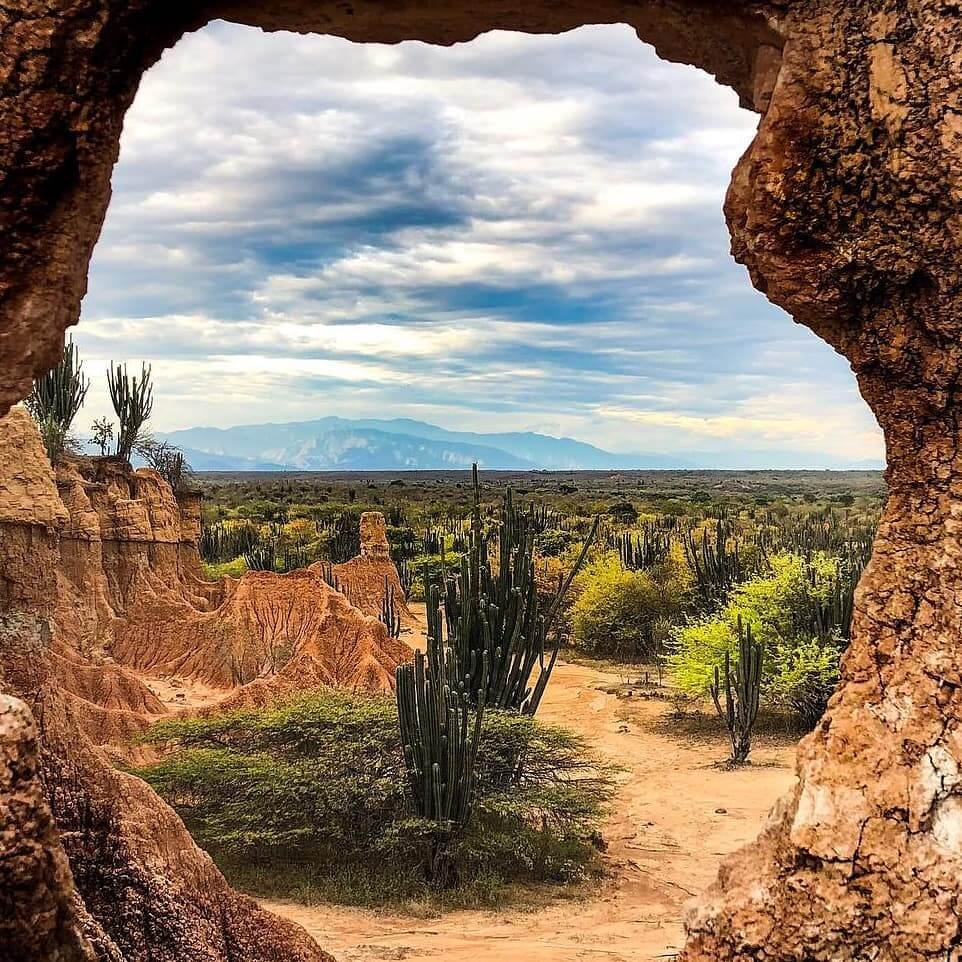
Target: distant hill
403, 444
342, 444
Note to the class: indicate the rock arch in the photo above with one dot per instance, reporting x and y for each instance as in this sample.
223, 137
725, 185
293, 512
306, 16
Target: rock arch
847, 211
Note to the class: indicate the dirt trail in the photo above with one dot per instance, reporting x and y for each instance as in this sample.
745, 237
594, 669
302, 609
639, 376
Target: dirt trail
673, 820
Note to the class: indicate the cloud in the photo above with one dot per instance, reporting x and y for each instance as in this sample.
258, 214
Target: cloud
519, 232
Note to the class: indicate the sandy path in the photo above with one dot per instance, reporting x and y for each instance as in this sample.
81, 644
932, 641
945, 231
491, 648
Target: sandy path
674, 818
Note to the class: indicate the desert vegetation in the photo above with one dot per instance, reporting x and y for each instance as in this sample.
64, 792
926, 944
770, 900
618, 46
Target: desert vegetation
327, 810
666, 578
734, 609
57, 398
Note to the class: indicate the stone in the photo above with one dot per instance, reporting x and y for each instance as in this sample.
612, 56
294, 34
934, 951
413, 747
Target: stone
846, 211
38, 901
374, 543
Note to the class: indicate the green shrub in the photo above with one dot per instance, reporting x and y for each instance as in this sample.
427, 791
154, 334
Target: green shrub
224, 569
428, 567
804, 676
554, 542
315, 792
800, 664
620, 614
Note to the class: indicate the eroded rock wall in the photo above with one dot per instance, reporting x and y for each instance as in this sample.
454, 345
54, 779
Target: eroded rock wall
137, 888
110, 556
93, 865
846, 211
38, 901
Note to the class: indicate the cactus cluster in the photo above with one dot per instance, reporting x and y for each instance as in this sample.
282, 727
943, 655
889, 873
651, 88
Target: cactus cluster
644, 550
490, 615
717, 568
440, 724
56, 398
133, 403
388, 614
261, 556
343, 537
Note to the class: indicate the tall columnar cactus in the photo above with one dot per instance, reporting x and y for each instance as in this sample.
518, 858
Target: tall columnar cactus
644, 550
716, 567
389, 615
741, 688
492, 620
133, 403
440, 731
56, 398
261, 556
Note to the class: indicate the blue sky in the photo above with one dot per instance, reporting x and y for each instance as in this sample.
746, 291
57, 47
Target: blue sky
517, 233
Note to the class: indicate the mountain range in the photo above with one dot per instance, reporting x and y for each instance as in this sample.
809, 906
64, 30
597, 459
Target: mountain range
403, 444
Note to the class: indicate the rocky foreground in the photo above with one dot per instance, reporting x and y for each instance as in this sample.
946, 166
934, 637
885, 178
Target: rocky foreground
101, 587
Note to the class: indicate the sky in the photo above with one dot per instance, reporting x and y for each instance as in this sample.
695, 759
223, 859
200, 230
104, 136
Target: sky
518, 233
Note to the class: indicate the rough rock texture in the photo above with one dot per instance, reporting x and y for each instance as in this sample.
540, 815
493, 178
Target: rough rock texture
374, 543
286, 631
98, 569
115, 554
38, 901
142, 891
846, 210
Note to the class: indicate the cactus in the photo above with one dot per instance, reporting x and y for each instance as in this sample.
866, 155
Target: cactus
343, 537
405, 573
221, 541
389, 616
716, 568
133, 403
261, 556
56, 398
439, 736
644, 550
741, 689
492, 621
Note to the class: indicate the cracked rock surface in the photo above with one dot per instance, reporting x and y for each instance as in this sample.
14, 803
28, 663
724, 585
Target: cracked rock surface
847, 211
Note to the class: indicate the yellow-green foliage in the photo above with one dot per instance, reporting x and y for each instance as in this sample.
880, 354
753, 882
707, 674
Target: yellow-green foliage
623, 614
232, 569
799, 670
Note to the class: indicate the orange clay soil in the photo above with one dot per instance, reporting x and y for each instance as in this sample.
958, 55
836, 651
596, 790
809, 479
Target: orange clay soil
675, 817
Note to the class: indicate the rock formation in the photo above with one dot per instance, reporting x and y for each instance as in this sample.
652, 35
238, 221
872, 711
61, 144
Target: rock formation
38, 901
845, 210
115, 555
141, 890
99, 575
366, 579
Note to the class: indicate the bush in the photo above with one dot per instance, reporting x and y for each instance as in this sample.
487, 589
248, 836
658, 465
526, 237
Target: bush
804, 676
554, 542
316, 790
622, 614
215, 571
429, 568
800, 664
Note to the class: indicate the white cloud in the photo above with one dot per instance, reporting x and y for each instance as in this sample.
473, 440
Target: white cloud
517, 232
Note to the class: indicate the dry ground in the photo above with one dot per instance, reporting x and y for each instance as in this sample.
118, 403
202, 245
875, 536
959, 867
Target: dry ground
675, 816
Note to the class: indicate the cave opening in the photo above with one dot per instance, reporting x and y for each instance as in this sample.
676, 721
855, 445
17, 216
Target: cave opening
846, 197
